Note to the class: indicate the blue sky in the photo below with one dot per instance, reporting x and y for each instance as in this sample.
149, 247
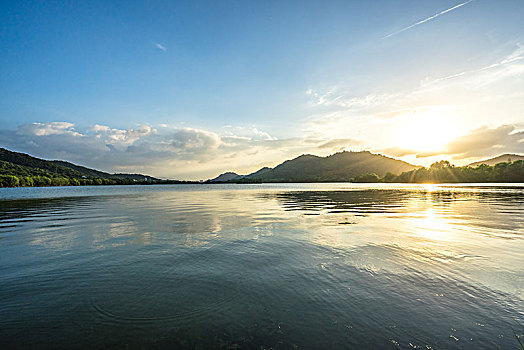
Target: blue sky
191, 89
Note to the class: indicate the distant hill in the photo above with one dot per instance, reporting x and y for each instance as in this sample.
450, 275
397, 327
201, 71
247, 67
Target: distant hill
231, 176
259, 172
338, 167
225, 177
136, 177
341, 166
505, 158
20, 169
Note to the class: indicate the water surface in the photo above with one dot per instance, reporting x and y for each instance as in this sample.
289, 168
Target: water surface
308, 266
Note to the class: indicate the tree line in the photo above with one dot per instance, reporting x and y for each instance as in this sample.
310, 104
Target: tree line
12, 175
42, 181
444, 172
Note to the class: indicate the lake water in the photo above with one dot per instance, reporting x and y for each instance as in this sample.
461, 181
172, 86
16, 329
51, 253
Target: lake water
307, 266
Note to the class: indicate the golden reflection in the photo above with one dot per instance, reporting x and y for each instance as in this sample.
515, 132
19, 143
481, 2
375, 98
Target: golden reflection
430, 187
425, 227
431, 225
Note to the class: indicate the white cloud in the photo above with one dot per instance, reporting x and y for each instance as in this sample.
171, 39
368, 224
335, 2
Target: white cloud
486, 141
186, 153
246, 132
482, 142
43, 129
195, 140
160, 47
119, 136
337, 145
427, 115
189, 153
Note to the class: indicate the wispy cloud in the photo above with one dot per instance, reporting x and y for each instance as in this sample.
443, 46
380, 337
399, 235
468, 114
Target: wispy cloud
161, 47
513, 58
336, 145
342, 100
485, 141
427, 19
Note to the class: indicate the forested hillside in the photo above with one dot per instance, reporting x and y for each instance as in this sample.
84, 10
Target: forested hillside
22, 170
444, 172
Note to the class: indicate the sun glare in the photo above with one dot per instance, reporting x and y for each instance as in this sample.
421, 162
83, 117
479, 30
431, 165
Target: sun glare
427, 131
432, 226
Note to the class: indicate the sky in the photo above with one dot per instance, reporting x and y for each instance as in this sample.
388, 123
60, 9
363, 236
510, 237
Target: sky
190, 89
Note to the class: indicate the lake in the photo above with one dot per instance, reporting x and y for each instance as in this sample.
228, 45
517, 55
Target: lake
282, 266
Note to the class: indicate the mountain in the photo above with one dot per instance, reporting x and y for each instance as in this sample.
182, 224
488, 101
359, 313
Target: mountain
259, 172
341, 166
232, 177
57, 172
225, 177
505, 158
37, 166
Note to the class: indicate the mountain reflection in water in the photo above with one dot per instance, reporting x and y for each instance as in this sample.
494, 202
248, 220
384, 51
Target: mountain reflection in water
262, 266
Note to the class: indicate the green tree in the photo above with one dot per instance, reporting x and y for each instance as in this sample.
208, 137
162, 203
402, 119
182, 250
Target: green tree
9, 181
367, 178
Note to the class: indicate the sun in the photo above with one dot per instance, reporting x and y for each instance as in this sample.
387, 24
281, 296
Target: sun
427, 131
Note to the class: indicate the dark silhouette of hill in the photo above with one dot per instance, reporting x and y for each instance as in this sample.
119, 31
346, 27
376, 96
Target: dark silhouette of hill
225, 177
259, 172
341, 166
505, 158
231, 176
338, 167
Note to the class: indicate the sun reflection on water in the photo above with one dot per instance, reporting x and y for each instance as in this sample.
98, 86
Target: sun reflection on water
430, 187
432, 225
